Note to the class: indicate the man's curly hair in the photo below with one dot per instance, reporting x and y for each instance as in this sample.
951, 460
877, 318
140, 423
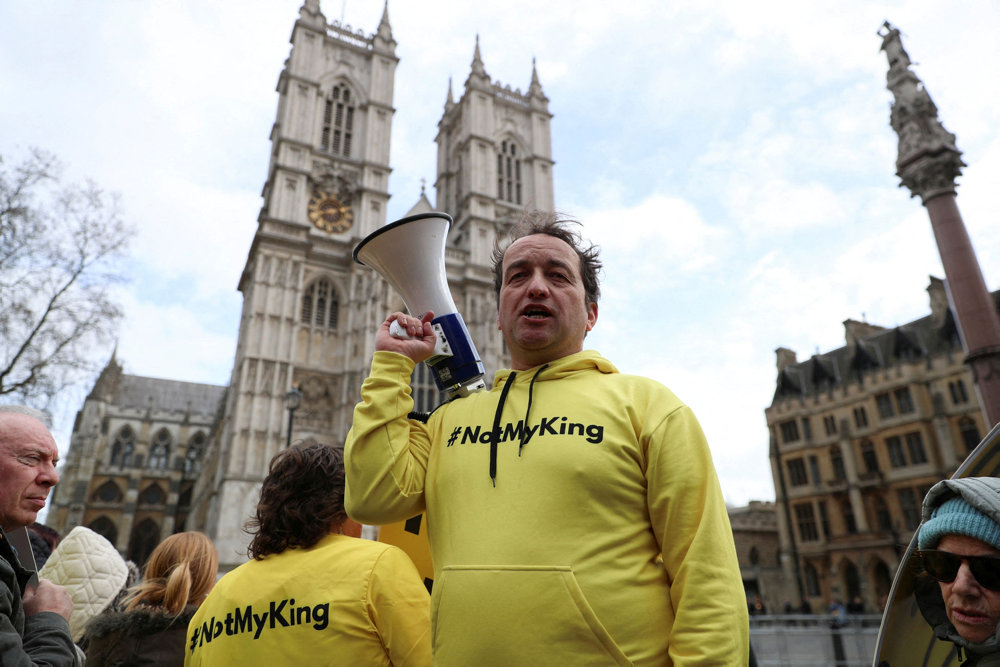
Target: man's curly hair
560, 227
301, 500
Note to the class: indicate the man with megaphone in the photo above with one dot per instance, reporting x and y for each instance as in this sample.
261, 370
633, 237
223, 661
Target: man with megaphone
574, 513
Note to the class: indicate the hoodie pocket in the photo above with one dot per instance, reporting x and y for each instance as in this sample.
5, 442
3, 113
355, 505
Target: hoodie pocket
525, 615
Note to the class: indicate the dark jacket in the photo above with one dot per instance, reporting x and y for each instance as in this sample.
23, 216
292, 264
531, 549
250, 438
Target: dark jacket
142, 636
41, 638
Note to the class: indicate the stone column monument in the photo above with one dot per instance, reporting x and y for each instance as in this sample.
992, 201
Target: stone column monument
928, 164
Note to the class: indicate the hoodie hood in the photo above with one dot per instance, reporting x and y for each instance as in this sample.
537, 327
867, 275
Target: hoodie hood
554, 370
581, 362
983, 493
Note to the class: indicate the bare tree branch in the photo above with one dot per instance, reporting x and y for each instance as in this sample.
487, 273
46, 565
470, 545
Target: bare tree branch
62, 248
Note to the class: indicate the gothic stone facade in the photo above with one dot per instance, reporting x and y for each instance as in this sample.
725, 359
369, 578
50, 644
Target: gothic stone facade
858, 435
136, 450
309, 312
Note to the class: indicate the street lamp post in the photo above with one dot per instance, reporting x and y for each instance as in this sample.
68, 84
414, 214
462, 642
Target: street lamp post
293, 399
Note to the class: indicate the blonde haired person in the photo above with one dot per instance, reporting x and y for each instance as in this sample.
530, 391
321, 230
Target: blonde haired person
150, 629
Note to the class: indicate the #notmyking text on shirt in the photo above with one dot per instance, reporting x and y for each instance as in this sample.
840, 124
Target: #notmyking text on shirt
275, 616
511, 432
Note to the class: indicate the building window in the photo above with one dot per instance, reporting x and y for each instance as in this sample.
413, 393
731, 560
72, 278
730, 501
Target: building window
509, 173
152, 495
814, 470
882, 514
790, 431
812, 581
192, 460
807, 522
320, 307
109, 492
958, 393
904, 401
807, 431
160, 450
123, 447
970, 433
869, 457
896, 456
915, 445
830, 424
860, 417
910, 505
824, 520
885, 409
145, 537
837, 461
797, 472
754, 556
426, 396
848, 514
105, 527
338, 122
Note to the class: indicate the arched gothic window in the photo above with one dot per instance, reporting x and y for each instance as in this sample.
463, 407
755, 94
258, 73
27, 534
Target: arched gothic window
320, 307
152, 495
509, 173
159, 453
109, 492
192, 460
123, 447
104, 526
338, 121
145, 537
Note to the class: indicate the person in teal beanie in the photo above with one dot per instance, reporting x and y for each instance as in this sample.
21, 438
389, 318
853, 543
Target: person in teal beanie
959, 547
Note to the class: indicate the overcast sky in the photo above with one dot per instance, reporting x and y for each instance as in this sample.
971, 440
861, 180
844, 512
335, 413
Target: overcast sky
734, 160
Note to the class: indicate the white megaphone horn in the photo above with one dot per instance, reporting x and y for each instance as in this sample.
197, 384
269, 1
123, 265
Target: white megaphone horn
409, 254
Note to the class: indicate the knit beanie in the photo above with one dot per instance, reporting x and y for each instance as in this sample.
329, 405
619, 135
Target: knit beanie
957, 517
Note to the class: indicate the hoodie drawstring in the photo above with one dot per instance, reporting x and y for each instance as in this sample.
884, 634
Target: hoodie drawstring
495, 432
525, 435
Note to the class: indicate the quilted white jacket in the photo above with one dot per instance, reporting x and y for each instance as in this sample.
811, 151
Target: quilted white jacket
92, 571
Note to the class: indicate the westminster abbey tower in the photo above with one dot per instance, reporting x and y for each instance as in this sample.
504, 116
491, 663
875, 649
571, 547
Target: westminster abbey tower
197, 453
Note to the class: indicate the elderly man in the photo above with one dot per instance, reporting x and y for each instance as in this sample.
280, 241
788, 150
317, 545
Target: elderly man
574, 513
34, 622
959, 546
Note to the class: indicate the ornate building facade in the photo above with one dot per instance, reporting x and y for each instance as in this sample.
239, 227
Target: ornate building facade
309, 311
858, 435
758, 549
136, 450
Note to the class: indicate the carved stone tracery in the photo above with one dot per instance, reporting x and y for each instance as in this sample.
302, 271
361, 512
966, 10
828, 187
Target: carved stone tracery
928, 162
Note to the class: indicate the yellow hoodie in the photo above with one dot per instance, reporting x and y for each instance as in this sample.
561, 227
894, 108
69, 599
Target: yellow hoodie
343, 601
547, 540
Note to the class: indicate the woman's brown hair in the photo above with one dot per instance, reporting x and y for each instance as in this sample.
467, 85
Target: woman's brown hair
180, 571
301, 500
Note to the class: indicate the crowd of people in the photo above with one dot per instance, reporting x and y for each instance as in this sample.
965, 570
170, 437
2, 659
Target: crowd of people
574, 514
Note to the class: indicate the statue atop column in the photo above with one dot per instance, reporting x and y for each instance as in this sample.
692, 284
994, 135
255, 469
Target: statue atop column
928, 161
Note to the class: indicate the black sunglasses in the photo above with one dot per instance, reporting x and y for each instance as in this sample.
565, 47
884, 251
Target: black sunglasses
943, 566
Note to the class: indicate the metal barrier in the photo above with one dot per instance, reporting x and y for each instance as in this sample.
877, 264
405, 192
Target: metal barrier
814, 640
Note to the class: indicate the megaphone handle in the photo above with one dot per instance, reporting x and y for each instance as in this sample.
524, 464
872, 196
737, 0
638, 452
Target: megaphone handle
397, 331
441, 346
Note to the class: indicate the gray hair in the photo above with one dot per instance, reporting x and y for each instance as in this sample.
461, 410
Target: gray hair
34, 413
